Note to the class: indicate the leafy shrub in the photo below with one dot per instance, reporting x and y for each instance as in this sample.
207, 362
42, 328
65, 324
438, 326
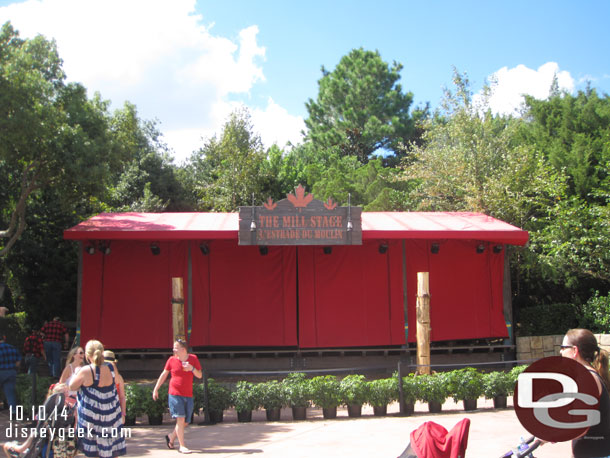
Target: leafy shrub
465, 383
433, 388
154, 408
298, 389
354, 389
219, 396
23, 389
382, 391
273, 395
497, 383
246, 396
547, 319
15, 329
135, 399
410, 388
514, 374
325, 391
596, 314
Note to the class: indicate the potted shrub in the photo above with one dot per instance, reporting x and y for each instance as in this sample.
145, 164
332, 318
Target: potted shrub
410, 392
273, 398
325, 394
135, 398
381, 393
497, 385
353, 390
466, 385
433, 390
298, 394
155, 409
246, 398
219, 399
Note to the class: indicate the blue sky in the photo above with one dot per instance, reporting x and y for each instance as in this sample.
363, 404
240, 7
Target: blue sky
189, 63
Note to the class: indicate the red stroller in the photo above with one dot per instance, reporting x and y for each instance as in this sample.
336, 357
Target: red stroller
431, 440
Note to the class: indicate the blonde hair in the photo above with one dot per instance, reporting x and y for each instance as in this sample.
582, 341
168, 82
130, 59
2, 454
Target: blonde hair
71, 353
95, 352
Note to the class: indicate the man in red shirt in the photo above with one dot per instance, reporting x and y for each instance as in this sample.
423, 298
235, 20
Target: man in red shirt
33, 350
182, 366
54, 332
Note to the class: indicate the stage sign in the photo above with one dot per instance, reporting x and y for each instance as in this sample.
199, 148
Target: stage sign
300, 220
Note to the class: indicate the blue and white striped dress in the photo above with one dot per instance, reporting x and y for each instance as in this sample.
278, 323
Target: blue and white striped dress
99, 419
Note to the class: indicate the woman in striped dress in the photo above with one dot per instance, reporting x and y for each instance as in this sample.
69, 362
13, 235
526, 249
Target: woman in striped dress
99, 412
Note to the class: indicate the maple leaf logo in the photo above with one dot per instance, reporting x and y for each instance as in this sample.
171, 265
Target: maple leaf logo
299, 199
329, 204
269, 205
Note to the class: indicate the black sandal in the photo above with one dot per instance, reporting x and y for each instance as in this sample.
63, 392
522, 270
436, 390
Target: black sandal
170, 444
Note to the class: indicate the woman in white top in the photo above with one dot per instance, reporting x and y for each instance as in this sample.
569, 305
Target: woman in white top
74, 361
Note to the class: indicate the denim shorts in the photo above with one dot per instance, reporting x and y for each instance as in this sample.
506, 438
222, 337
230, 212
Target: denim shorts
181, 407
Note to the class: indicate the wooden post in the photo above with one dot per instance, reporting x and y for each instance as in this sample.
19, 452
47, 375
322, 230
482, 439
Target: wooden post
423, 323
178, 308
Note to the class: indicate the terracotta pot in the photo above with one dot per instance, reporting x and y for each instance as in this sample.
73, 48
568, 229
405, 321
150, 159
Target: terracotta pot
299, 413
500, 402
380, 411
435, 407
329, 412
470, 404
354, 410
244, 416
273, 414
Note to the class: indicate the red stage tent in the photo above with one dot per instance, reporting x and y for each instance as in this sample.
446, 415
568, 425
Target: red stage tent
294, 296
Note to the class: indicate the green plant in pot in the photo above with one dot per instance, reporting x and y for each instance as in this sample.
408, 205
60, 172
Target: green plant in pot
273, 398
219, 399
497, 385
298, 394
135, 398
433, 389
354, 392
514, 374
381, 393
466, 385
155, 409
325, 394
410, 393
246, 398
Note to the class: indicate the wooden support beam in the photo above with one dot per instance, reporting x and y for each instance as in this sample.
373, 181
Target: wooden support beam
178, 308
423, 322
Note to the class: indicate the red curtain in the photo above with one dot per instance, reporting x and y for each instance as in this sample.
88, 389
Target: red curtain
351, 296
466, 289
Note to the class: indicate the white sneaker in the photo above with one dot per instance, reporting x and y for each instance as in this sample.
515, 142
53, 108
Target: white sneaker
184, 450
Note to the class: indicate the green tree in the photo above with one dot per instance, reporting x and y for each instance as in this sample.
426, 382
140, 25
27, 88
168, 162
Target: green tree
573, 132
229, 168
51, 134
148, 180
361, 108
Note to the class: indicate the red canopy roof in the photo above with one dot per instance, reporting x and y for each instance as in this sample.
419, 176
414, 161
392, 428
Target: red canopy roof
375, 225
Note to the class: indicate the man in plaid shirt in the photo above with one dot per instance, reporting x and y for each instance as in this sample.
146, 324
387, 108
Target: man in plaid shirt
9, 360
54, 331
34, 350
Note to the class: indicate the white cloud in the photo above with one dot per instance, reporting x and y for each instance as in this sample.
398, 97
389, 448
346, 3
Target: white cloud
157, 54
276, 125
509, 86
